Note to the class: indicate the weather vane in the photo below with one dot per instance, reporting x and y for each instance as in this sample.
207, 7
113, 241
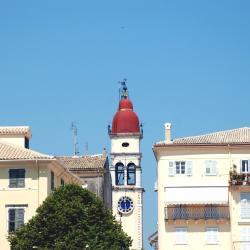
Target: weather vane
123, 90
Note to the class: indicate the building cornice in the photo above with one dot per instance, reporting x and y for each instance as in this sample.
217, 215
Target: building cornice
127, 188
126, 135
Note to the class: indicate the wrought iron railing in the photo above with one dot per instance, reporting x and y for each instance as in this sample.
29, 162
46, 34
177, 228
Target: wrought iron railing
190, 212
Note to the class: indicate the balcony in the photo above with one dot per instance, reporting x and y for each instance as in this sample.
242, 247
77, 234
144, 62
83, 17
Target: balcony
239, 178
190, 212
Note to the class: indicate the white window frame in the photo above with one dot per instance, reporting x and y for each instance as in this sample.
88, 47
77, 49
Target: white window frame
245, 237
187, 167
181, 234
212, 166
8, 207
245, 205
248, 166
212, 235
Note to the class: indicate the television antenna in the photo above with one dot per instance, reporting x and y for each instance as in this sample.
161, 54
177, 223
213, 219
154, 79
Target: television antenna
74, 135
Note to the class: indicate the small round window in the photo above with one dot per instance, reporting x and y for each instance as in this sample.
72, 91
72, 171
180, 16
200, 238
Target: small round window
125, 144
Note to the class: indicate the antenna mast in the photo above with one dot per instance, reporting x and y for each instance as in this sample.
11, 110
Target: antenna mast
74, 134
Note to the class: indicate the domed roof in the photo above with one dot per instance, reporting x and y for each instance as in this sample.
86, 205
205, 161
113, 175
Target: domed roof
125, 119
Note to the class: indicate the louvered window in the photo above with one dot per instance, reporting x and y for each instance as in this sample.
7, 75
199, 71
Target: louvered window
16, 218
181, 236
245, 238
210, 167
245, 205
16, 178
212, 235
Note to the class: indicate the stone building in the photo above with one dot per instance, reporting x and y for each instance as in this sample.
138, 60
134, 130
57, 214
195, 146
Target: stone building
94, 171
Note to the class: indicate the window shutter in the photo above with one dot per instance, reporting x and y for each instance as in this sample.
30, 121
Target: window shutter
245, 205
214, 167
212, 235
189, 168
245, 236
19, 220
181, 235
171, 170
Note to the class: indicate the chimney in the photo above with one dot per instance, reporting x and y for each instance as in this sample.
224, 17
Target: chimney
168, 138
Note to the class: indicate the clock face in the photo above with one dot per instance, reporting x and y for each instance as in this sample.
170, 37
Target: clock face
125, 205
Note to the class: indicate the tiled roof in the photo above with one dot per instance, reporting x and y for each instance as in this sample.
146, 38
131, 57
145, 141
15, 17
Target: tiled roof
84, 162
233, 136
14, 130
12, 152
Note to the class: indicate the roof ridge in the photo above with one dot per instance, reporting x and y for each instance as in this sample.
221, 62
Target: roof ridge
79, 157
211, 133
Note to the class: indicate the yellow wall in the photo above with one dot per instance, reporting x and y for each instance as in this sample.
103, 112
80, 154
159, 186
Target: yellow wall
37, 188
226, 157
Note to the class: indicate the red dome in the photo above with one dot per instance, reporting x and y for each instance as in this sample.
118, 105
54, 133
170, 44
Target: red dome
125, 119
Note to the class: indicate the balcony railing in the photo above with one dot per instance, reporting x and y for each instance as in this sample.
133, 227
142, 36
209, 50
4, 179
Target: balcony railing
190, 212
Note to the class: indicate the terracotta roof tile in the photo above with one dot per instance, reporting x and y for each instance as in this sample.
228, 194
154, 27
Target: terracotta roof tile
84, 162
233, 136
14, 130
12, 152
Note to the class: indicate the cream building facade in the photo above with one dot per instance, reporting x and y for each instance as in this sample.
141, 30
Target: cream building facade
203, 191
127, 190
27, 177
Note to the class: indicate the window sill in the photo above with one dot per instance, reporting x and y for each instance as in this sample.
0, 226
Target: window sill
244, 222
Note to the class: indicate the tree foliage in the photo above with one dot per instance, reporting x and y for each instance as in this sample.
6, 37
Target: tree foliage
71, 218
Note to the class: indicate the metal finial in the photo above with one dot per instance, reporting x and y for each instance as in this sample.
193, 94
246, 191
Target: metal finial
123, 91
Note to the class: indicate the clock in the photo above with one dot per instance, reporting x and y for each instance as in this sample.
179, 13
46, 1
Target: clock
125, 205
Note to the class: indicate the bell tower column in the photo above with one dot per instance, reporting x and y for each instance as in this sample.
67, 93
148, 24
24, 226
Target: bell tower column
127, 192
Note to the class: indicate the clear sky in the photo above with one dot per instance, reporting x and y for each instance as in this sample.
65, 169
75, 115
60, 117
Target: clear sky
187, 62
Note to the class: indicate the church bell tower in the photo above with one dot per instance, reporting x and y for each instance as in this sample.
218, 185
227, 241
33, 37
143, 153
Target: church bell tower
127, 192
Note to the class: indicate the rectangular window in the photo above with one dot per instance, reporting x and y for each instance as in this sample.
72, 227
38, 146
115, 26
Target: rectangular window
245, 205
210, 167
52, 180
212, 235
16, 178
245, 164
62, 182
245, 238
15, 218
180, 168
181, 236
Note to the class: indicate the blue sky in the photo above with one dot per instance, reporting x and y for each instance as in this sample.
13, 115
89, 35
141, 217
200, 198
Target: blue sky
187, 62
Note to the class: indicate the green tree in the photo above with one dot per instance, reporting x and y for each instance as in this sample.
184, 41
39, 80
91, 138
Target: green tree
71, 218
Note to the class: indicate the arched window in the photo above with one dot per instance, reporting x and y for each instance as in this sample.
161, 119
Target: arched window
119, 174
131, 174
